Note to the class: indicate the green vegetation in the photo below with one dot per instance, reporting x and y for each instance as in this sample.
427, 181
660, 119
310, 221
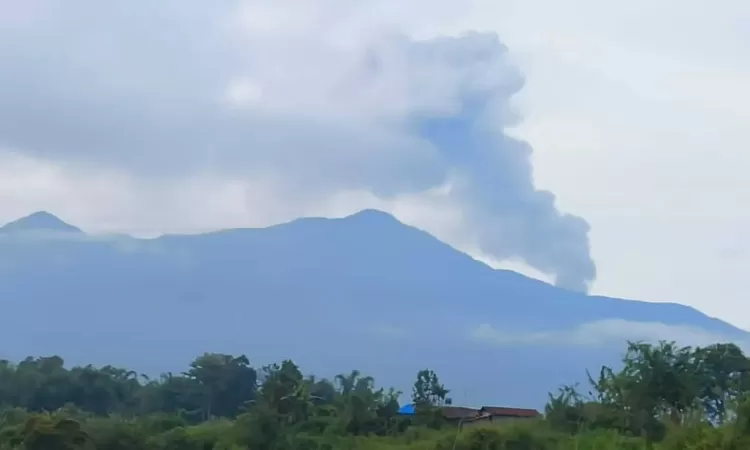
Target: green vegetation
663, 397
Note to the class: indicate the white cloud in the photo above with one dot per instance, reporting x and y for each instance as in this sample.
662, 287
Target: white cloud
104, 201
318, 100
243, 92
612, 333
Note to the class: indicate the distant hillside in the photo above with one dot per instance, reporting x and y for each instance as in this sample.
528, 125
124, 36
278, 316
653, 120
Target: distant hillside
364, 291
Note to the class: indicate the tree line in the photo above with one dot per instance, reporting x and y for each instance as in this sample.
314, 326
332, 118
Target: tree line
661, 396
271, 400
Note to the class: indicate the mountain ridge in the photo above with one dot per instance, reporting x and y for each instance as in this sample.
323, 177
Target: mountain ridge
304, 287
46, 221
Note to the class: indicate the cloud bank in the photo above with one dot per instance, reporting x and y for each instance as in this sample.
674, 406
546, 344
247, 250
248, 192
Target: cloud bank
605, 333
314, 98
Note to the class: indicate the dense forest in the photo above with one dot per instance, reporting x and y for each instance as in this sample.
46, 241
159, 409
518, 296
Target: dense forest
662, 397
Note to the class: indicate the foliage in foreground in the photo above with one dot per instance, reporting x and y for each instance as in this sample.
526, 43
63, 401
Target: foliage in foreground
663, 397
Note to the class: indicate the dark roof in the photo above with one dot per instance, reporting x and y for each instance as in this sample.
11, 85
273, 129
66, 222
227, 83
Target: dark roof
458, 412
478, 417
509, 412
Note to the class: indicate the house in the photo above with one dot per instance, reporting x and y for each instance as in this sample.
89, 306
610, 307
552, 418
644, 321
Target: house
501, 413
496, 414
461, 415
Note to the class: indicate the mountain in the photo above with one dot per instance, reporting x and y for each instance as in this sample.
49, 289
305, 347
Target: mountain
41, 221
364, 292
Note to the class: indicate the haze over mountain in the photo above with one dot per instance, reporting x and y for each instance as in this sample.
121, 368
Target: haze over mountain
365, 291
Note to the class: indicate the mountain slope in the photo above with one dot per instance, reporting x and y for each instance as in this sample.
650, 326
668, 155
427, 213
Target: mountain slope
364, 292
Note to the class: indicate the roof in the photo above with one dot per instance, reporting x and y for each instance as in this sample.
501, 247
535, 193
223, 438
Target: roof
407, 409
480, 416
458, 412
509, 412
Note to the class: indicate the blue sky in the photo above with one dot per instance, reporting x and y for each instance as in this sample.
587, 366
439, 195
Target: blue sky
189, 116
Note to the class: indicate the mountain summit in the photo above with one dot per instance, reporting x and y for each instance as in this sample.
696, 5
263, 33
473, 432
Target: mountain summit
39, 221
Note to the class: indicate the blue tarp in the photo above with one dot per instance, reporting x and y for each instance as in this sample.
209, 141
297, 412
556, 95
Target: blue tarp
406, 409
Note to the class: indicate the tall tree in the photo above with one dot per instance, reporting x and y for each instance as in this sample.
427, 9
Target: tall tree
724, 379
428, 391
226, 383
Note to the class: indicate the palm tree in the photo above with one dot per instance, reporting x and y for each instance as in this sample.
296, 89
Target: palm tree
353, 382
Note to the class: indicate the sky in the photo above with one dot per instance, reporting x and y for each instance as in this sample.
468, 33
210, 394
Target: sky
597, 146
